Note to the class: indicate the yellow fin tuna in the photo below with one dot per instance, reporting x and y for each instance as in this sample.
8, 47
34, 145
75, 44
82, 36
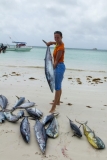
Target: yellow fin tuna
95, 141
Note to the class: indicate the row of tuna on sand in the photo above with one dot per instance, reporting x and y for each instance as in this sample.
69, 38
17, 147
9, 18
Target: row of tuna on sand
47, 128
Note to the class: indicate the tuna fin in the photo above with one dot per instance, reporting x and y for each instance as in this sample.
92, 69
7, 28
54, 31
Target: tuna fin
79, 126
81, 123
86, 122
73, 135
17, 97
94, 134
56, 114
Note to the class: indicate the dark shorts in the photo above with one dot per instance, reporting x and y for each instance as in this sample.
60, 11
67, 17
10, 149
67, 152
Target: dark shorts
59, 72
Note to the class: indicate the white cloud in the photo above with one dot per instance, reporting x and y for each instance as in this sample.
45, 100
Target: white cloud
82, 22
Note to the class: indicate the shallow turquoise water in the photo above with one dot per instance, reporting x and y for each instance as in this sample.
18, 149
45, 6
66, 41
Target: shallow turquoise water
74, 58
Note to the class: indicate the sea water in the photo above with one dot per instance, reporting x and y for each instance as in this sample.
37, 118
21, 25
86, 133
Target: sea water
77, 59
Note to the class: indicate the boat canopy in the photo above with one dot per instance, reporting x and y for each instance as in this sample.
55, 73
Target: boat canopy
19, 42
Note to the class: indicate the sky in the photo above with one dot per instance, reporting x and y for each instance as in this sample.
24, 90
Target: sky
82, 22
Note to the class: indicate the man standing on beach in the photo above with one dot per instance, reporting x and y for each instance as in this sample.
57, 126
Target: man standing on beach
59, 67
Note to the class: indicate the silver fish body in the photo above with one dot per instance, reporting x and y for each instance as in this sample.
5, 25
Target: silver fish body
34, 112
3, 102
49, 70
25, 129
10, 117
39, 112
53, 129
2, 117
20, 114
19, 102
41, 136
48, 119
26, 105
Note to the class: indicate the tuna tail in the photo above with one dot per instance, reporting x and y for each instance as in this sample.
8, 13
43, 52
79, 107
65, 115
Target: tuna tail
69, 119
56, 114
81, 123
8, 110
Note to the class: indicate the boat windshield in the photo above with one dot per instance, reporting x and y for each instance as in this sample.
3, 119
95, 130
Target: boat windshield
19, 44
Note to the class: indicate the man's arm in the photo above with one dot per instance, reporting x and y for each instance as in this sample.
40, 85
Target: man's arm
49, 43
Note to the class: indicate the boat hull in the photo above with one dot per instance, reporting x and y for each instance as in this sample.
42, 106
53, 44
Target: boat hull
10, 49
26, 49
23, 49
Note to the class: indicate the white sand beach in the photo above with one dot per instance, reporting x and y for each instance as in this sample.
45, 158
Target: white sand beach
84, 98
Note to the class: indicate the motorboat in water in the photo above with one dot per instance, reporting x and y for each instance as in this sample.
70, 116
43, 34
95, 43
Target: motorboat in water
20, 46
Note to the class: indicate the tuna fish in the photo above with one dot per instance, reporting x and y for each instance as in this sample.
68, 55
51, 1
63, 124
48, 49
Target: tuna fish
41, 136
52, 130
3, 102
34, 112
25, 129
26, 105
2, 117
49, 118
95, 141
75, 129
20, 114
10, 117
19, 102
49, 70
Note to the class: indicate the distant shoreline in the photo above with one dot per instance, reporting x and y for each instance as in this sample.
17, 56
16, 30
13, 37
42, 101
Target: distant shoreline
73, 48
41, 67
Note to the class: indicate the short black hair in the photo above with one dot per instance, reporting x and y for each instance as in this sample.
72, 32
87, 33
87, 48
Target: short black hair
58, 32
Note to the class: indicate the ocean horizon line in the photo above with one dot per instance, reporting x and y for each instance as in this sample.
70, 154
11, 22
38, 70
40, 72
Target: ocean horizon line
93, 49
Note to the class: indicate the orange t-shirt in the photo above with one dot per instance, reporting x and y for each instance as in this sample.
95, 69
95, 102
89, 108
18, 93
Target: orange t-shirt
59, 48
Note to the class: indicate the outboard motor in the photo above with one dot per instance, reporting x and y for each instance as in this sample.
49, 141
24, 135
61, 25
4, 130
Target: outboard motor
3, 48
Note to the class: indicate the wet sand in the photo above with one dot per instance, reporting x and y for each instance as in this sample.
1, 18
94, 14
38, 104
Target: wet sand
84, 98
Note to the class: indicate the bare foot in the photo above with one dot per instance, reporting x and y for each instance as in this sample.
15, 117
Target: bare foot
51, 103
52, 111
56, 104
60, 101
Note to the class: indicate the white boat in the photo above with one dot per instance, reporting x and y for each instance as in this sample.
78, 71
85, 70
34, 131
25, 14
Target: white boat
20, 46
